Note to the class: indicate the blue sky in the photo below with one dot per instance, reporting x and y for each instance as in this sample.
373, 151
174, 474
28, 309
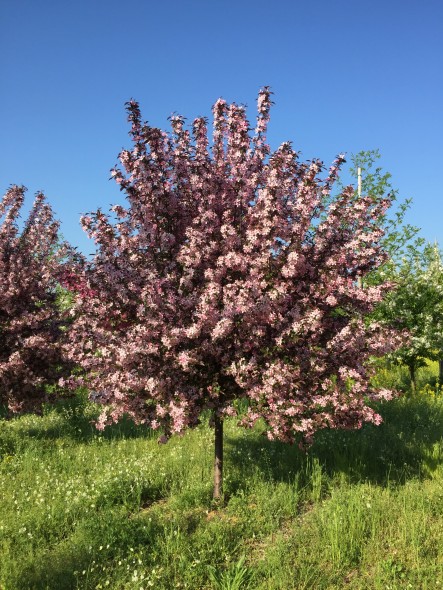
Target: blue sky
347, 76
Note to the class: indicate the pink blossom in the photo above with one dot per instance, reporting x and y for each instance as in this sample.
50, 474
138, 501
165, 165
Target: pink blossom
33, 262
231, 273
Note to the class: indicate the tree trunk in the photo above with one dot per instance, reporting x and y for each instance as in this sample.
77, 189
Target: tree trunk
440, 374
218, 463
413, 376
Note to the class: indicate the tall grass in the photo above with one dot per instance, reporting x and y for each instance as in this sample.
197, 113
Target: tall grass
87, 510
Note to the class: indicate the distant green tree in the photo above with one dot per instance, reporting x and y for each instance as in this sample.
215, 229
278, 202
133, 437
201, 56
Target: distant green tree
401, 239
416, 304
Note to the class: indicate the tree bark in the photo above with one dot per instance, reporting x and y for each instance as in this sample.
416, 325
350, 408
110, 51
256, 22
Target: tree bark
218, 463
413, 376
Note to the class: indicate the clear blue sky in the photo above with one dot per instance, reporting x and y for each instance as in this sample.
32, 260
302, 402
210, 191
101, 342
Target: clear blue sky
346, 75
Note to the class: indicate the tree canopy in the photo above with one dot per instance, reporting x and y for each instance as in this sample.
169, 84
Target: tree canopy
32, 261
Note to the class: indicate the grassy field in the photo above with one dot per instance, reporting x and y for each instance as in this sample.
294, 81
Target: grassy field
87, 510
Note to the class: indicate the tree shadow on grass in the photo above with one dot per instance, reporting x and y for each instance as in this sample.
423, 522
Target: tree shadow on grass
408, 444
112, 546
71, 420
90, 555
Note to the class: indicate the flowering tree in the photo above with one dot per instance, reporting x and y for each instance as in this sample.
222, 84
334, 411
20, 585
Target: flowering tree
30, 324
230, 275
416, 305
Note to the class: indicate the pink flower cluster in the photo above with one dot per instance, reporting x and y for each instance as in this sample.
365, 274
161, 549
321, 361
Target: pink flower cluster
31, 263
232, 273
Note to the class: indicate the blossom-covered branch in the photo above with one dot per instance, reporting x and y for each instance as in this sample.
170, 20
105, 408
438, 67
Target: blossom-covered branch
231, 273
31, 263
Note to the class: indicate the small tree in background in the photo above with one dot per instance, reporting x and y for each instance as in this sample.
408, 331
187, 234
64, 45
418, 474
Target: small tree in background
416, 305
31, 262
400, 240
230, 274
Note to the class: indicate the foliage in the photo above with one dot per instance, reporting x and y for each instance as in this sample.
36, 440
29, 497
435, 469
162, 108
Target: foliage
31, 262
391, 375
401, 240
236, 578
231, 274
416, 305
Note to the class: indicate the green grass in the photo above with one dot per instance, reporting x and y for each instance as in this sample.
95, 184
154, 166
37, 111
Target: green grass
87, 510
397, 376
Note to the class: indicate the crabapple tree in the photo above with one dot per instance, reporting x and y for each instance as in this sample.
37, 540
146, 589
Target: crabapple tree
230, 274
31, 262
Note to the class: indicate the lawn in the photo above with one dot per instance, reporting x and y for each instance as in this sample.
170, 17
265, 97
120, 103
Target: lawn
82, 509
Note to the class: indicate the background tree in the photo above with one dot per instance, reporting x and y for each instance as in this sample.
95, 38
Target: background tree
416, 305
230, 274
31, 262
401, 239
